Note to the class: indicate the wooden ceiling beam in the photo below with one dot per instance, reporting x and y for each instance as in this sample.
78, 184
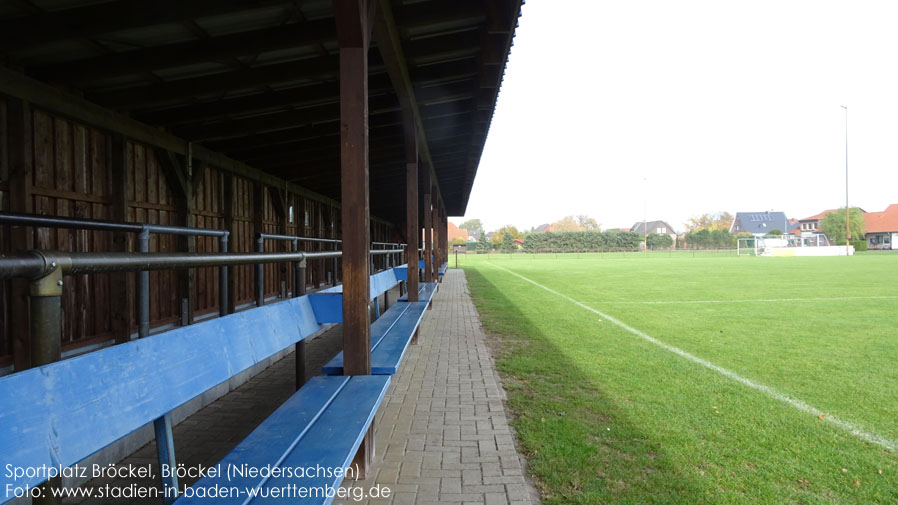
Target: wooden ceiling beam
389, 45
442, 73
383, 104
186, 53
453, 46
428, 17
96, 19
290, 135
142, 97
299, 97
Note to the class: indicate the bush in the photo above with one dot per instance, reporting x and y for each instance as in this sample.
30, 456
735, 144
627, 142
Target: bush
859, 245
659, 241
590, 240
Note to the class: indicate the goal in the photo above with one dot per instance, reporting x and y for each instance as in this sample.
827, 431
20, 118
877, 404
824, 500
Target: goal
776, 245
748, 246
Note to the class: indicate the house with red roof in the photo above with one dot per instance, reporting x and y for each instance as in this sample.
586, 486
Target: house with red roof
812, 224
882, 228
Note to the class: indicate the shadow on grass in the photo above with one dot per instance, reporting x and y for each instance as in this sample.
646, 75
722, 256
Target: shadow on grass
580, 445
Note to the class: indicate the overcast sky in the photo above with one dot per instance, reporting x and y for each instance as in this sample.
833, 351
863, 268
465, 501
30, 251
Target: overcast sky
668, 109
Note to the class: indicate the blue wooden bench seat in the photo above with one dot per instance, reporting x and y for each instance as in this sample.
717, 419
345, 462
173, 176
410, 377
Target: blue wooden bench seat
321, 425
442, 270
328, 303
61, 413
426, 290
390, 337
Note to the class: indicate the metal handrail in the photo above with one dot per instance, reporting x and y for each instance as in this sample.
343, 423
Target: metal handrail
46, 269
38, 264
39, 221
143, 231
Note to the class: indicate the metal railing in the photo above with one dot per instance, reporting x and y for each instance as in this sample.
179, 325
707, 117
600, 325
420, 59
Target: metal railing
391, 260
143, 231
294, 246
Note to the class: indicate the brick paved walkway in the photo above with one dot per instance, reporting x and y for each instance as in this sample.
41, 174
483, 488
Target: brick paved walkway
442, 434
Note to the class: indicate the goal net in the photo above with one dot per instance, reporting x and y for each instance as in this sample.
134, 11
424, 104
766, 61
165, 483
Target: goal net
776, 244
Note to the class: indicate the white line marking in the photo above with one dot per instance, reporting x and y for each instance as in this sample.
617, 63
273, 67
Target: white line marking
758, 300
851, 428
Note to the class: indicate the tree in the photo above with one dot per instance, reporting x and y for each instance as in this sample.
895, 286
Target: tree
587, 223
659, 241
775, 232
710, 222
472, 225
507, 241
833, 225
458, 241
483, 245
567, 223
498, 236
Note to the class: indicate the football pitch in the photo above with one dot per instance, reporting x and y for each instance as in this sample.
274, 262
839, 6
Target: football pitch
718, 379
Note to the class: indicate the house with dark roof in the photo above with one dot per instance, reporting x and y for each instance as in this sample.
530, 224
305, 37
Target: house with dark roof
882, 228
661, 227
762, 223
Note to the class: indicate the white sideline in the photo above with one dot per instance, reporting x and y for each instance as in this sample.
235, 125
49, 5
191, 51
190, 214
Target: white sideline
851, 428
758, 300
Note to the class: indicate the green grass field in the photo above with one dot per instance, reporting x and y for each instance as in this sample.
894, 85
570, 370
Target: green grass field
708, 379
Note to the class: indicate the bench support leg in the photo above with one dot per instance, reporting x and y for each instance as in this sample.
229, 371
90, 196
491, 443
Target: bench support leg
415, 337
165, 448
365, 455
300, 364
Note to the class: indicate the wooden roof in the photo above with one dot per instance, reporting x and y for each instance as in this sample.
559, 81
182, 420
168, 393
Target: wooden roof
256, 80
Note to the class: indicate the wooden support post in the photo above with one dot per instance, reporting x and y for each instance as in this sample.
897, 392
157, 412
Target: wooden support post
259, 227
20, 182
434, 234
228, 191
428, 232
176, 171
354, 18
444, 235
282, 211
411, 207
122, 285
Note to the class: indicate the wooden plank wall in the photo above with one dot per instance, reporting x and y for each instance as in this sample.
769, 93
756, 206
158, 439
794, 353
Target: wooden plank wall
71, 177
208, 212
151, 201
5, 340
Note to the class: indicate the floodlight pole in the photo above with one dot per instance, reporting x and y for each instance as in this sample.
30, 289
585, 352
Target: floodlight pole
847, 210
645, 217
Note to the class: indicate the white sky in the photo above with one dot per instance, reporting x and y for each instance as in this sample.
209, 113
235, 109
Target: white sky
686, 107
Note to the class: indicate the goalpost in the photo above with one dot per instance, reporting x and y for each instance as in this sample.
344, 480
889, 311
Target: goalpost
747, 246
805, 244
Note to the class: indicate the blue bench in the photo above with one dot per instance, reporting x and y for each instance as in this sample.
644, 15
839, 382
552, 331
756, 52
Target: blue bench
442, 270
390, 337
59, 414
426, 290
328, 303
